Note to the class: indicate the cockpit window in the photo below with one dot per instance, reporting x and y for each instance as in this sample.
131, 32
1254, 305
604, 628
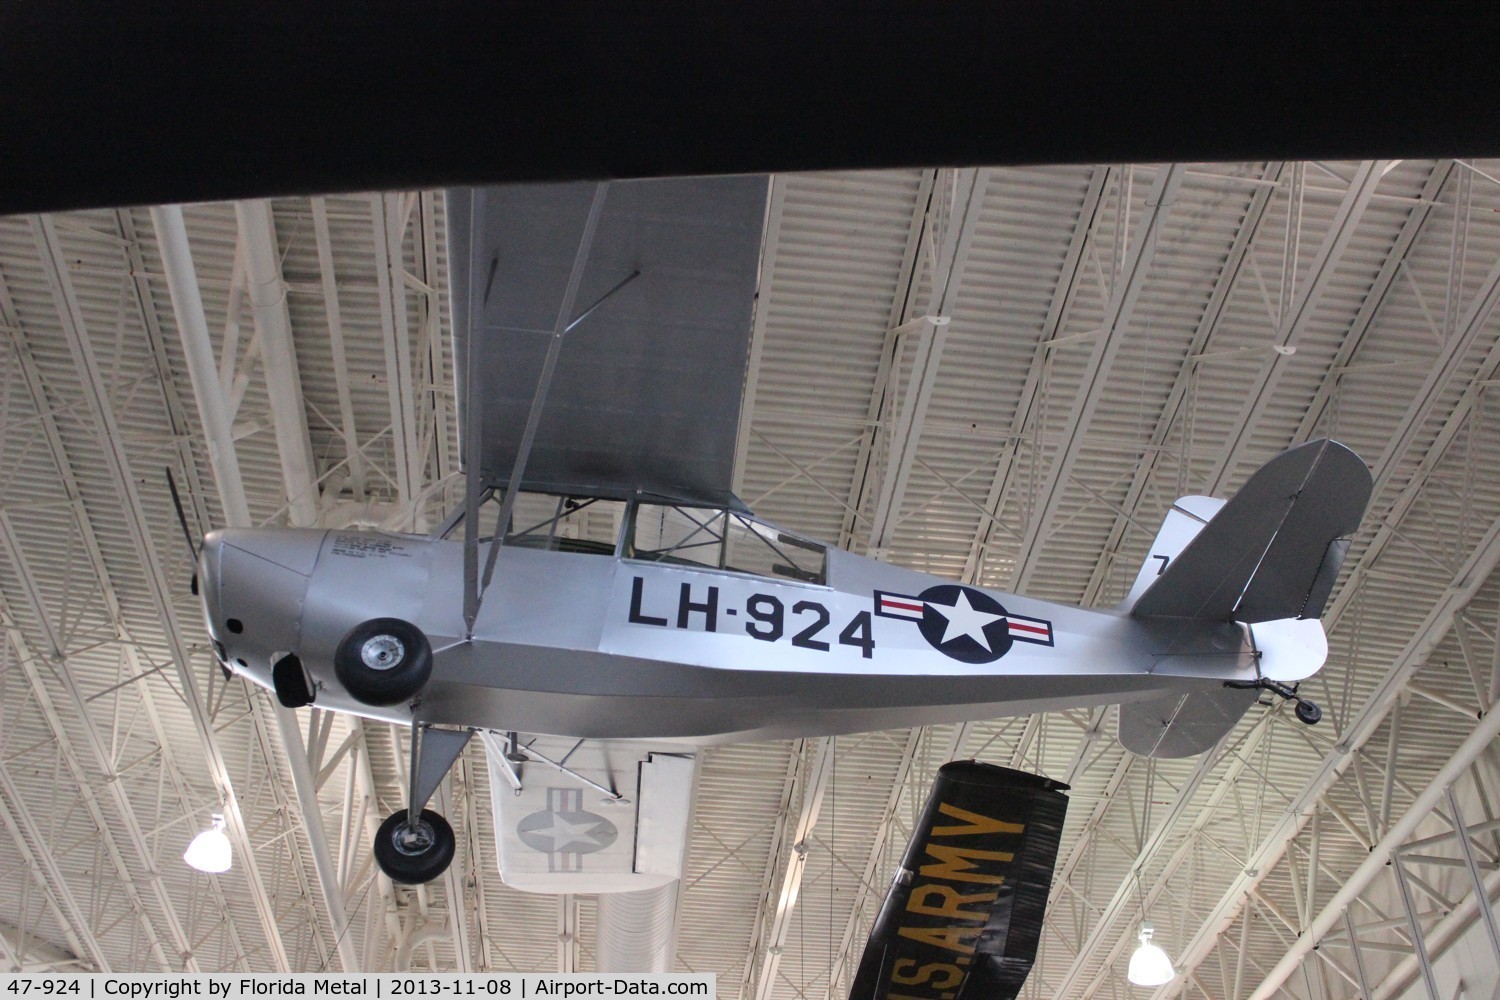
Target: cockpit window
721, 539
552, 523
708, 537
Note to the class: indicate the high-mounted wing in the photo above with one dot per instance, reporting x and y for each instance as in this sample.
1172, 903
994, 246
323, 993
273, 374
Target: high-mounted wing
964, 913
645, 398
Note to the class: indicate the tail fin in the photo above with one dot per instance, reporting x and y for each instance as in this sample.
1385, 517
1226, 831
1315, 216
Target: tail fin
1274, 550
1183, 522
1270, 554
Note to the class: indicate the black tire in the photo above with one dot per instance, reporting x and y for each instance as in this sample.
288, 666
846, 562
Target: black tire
414, 860
383, 661
1309, 713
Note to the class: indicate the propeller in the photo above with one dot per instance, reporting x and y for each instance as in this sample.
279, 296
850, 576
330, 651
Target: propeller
187, 534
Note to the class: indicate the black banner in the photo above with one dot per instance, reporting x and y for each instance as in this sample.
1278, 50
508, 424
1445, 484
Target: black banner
964, 912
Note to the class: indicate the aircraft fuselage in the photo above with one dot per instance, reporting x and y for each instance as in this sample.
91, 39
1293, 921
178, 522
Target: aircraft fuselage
603, 646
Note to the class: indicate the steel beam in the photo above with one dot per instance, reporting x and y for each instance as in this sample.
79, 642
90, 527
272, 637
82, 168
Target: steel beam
1182, 388
97, 405
776, 205
1439, 938
126, 872
430, 315
897, 319
1134, 272
1464, 585
1396, 259
192, 328
396, 341
843, 958
72, 916
291, 431
1119, 905
1375, 864
335, 315
946, 279
1424, 402
278, 358
1303, 305
1057, 311
19, 947
89, 540
1471, 864
812, 788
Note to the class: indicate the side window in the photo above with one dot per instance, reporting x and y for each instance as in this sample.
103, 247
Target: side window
566, 524
554, 523
722, 539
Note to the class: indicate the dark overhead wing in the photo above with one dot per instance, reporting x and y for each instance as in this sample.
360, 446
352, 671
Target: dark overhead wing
645, 399
1274, 549
180, 100
964, 913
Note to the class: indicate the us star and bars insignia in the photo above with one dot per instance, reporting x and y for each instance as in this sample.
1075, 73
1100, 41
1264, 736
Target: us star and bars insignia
966, 624
565, 831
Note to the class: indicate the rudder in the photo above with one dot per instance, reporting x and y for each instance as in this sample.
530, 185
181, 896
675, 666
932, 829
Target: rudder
1273, 551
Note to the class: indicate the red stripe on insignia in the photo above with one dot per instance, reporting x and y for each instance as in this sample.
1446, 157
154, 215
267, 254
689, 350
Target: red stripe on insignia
887, 602
1016, 626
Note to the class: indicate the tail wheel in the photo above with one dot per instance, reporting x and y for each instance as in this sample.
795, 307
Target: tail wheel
383, 661
410, 854
1309, 713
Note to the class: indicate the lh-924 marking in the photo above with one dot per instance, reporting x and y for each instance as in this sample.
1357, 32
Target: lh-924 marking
769, 618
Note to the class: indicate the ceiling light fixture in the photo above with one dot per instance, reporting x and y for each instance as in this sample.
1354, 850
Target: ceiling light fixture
210, 851
1149, 966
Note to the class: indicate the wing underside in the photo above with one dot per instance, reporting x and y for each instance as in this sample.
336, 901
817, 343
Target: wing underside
645, 398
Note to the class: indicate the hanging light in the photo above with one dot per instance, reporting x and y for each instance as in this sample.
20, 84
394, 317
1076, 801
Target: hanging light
1149, 966
210, 851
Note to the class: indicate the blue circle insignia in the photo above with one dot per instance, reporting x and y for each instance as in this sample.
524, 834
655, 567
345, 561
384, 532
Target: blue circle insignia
966, 624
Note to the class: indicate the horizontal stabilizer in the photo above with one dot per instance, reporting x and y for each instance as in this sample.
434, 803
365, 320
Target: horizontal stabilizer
1273, 551
964, 913
1182, 725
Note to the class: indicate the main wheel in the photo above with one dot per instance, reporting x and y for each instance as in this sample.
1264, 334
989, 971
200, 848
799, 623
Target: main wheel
383, 661
1309, 713
412, 855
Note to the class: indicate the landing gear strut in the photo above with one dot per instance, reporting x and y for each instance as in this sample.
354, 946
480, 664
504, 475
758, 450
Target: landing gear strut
1307, 711
416, 845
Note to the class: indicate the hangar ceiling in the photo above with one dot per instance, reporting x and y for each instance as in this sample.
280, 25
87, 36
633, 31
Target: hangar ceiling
1003, 376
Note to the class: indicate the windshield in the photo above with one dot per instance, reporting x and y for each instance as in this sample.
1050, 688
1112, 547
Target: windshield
721, 539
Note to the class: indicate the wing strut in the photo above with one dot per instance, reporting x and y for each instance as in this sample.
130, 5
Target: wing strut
474, 587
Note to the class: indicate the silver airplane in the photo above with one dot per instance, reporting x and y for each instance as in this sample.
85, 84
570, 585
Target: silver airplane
600, 581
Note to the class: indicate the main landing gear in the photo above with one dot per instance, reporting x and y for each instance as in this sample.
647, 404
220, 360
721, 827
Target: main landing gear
1307, 711
412, 853
387, 661
416, 844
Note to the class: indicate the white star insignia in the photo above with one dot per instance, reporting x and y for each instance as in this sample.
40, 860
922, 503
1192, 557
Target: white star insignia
564, 834
965, 619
